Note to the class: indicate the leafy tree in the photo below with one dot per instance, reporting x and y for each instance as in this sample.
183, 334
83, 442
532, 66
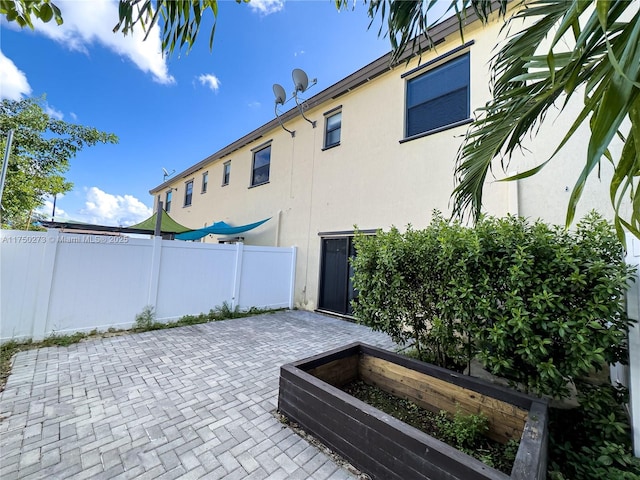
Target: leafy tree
40, 152
594, 52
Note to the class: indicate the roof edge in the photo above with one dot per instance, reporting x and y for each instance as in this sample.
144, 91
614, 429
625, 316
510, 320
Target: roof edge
379, 66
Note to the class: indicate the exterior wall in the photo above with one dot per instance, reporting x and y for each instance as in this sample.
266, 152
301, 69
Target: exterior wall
60, 283
371, 179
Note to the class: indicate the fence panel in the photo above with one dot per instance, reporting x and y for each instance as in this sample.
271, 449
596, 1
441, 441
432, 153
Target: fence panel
98, 285
194, 277
61, 283
633, 310
261, 269
21, 258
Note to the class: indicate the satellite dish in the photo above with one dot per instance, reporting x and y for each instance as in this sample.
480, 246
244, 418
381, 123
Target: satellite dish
300, 79
280, 94
166, 173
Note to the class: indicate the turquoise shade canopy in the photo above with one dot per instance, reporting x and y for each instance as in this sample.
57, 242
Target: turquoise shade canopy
219, 228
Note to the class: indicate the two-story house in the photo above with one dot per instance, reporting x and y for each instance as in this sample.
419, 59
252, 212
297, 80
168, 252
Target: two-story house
382, 153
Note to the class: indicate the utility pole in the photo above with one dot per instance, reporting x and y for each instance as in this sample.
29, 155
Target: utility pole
5, 164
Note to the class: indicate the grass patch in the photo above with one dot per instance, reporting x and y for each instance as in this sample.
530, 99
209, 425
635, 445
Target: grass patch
145, 321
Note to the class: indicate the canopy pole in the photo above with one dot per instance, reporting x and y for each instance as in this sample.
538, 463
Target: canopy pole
158, 228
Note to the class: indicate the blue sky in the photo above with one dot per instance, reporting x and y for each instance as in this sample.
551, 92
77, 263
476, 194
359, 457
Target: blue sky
172, 111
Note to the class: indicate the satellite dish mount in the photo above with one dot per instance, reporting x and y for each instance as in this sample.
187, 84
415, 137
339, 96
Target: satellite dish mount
301, 83
281, 98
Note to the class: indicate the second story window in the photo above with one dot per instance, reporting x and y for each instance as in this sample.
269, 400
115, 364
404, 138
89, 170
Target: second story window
205, 181
167, 202
188, 193
333, 128
226, 172
438, 98
261, 164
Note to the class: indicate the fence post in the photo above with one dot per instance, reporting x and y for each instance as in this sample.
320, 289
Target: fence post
237, 276
292, 278
45, 285
154, 273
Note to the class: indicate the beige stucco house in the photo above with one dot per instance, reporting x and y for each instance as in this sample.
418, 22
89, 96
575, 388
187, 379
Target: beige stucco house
382, 153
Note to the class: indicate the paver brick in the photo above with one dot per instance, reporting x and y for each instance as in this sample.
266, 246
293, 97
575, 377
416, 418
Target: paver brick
189, 402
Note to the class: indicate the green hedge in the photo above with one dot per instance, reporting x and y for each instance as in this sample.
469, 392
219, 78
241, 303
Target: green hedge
538, 305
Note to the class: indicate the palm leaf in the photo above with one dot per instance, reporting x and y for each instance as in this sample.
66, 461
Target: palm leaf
604, 64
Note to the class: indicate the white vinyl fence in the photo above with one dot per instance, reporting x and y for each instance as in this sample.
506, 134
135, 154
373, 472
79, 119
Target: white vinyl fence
53, 282
633, 310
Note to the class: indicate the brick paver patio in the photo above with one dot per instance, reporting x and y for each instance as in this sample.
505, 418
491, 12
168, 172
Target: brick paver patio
190, 402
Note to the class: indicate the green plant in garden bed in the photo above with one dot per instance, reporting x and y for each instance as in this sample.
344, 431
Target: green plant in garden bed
536, 304
464, 432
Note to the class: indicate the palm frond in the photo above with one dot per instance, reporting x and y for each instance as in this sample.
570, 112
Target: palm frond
603, 66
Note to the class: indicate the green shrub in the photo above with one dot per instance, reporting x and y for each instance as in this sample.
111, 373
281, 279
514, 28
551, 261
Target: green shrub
225, 311
145, 320
409, 288
536, 304
462, 431
592, 441
553, 307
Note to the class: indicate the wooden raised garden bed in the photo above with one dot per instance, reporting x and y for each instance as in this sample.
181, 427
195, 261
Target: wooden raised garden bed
387, 448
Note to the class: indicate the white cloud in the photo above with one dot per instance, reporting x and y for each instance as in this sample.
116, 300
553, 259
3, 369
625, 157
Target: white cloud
266, 7
13, 82
210, 80
103, 208
296, 54
73, 116
52, 112
254, 104
87, 23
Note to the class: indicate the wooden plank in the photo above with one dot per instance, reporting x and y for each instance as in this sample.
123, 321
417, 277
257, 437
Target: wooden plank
481, 386
374, 441
531, 460
506, 421
397, 373
338, 372
322, 358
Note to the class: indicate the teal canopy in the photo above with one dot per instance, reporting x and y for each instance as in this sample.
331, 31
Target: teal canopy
218, 228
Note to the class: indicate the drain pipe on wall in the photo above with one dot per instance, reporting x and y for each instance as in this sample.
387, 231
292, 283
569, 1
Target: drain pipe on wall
513, 195
278, 228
